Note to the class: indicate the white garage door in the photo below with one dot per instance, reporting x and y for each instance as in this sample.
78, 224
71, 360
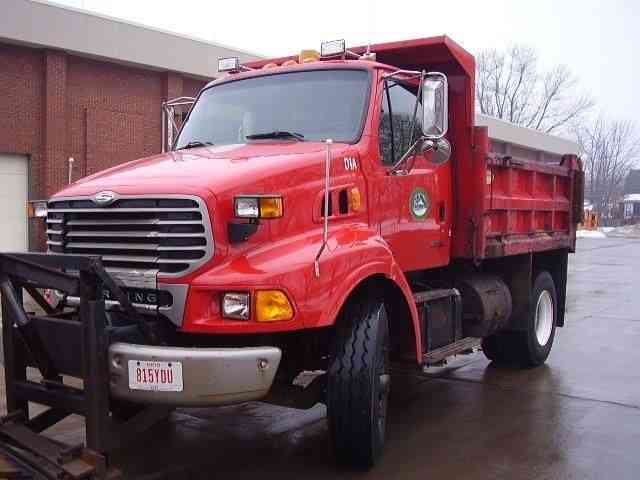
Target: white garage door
14, 186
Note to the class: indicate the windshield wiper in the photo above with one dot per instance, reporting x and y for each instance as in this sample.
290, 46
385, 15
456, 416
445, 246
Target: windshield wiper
195, 144
276, 134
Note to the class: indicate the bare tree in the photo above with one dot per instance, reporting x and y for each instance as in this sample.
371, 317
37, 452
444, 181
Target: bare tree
611, 149
511, 87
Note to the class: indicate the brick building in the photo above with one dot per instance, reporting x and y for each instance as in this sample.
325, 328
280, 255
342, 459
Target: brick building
74, 84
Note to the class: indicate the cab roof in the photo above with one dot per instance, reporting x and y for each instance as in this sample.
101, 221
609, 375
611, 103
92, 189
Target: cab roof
316, 65
431, 54
434, 53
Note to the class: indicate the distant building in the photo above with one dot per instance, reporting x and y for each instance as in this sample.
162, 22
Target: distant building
630, 205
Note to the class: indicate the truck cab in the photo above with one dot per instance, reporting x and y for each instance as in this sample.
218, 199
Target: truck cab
317, 218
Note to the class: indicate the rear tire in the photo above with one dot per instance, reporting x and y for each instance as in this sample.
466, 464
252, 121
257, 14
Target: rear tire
358, 384
530, 347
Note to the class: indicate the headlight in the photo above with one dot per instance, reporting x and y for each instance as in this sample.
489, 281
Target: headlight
236, 306
247, 207
37, 208
259, 206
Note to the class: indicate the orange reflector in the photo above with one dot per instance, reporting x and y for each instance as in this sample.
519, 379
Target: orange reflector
270, 207
308, 56
356, 200
272, 306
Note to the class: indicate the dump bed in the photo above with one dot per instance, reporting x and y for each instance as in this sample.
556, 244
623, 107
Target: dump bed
528, 191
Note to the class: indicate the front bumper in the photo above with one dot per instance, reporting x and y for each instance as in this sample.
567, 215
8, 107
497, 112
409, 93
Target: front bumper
211, 376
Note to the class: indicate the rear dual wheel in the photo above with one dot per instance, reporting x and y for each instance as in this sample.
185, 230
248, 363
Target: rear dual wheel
531, 346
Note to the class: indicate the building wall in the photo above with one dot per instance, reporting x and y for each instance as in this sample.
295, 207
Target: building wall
113, 114
21, 105
55, 105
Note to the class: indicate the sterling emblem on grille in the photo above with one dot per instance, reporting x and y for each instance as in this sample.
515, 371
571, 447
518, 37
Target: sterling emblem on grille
102, 199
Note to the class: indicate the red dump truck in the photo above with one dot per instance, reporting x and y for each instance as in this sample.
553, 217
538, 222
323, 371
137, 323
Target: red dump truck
319, 218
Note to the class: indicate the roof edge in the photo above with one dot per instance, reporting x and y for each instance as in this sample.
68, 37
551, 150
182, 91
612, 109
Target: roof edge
144, 26
83, 33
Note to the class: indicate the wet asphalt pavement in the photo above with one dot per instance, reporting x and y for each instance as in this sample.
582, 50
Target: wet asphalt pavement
577, 417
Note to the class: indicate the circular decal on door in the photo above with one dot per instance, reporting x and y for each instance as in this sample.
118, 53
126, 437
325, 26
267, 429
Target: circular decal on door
420, 204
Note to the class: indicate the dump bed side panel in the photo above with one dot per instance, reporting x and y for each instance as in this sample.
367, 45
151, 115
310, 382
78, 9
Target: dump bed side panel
528, 199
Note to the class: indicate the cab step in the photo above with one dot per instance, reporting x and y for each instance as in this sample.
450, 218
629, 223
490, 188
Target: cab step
463, 345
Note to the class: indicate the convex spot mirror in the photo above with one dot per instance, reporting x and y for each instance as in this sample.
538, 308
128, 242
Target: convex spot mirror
441, 151
435, 121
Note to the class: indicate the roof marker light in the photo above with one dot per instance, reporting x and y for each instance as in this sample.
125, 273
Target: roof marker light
229, 64
333, 48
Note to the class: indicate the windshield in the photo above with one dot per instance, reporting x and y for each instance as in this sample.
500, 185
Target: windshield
316, 104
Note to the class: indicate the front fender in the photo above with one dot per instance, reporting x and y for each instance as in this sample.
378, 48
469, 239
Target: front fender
353, 253
392, 272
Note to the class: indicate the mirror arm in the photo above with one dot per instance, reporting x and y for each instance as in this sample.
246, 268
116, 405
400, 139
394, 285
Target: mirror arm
409, 73
395, 170
415, 107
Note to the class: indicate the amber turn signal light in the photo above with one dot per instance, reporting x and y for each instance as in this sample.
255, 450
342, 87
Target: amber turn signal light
272, 306
270, 207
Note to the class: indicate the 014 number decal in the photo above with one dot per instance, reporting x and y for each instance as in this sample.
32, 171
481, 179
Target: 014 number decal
350, 164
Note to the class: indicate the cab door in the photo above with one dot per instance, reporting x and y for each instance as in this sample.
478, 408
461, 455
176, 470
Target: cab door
414, 200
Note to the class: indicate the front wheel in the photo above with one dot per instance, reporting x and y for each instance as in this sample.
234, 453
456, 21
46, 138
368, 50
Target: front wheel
358, 384
530, 347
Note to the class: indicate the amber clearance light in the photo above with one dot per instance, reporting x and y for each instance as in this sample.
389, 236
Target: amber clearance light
272, 306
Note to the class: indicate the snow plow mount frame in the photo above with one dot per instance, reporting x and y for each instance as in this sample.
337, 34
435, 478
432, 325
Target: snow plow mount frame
34, 341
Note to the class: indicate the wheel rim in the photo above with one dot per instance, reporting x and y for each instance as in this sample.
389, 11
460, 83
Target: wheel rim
544, 318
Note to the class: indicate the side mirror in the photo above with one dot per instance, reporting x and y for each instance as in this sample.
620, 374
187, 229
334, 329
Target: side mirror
435, 103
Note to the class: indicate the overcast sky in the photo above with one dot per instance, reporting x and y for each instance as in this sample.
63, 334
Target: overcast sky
597, 40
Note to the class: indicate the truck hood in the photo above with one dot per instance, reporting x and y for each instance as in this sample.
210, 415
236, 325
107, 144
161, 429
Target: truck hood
215, 168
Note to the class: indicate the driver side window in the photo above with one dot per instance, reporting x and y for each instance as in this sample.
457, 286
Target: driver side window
396, 116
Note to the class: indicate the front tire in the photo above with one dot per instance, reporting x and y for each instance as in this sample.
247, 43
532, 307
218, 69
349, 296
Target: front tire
358, 384
530, 347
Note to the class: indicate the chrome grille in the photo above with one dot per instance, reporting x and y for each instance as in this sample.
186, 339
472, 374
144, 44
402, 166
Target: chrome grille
170, 235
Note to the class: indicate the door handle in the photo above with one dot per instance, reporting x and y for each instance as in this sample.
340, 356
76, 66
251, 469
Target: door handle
442, 211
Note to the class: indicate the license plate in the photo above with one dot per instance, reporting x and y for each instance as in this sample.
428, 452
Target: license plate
155, 376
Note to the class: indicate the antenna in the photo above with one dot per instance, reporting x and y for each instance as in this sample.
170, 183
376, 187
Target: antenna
325, 225
368, 55
372, 14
